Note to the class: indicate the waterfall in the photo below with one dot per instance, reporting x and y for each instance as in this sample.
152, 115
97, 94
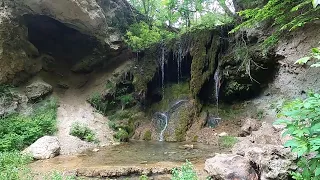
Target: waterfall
217, 80
163, 120
162, 63
179, 57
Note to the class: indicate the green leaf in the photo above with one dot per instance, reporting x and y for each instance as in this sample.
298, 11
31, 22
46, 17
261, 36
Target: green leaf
315, 3
315, 65
303, 60
317, 171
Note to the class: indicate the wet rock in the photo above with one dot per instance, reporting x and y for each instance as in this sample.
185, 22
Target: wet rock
180, 120
11, 102
249, 126
38, 90
230, 167
44, 148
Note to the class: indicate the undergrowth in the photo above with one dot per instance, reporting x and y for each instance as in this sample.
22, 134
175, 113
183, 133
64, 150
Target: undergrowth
227, 141
83, 132
186, 172
19, 131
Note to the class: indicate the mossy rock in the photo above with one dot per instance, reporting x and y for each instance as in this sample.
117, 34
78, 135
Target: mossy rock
180, 121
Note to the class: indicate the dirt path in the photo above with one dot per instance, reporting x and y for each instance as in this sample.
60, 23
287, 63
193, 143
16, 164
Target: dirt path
72, 91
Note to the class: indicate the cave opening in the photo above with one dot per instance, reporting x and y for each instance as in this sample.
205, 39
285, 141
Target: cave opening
67, 46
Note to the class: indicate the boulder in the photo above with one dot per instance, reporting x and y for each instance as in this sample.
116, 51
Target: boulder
38, 90
249, 126
180, 119
44, 148
230, 167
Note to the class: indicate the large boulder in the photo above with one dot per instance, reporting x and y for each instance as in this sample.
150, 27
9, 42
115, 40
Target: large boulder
230, 167
180, 118
38, 90
44, 148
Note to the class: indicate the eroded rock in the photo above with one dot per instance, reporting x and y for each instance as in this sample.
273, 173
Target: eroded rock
249, 126
44, 148
38, 90
230, 167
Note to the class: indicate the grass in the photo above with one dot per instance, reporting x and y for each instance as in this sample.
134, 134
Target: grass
227, 141
83, 132
19, 131
13, 166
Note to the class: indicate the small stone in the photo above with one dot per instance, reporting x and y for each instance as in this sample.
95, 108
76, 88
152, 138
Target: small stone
223, 134
96, 150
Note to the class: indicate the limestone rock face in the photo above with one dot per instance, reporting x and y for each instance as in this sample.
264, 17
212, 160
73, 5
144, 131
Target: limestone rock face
37, 90
104, 21
93, 17
44, 148
230, 167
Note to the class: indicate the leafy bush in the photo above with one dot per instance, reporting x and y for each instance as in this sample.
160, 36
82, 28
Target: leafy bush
18, 131
103, 106
227, 141
83, 132
13, 166
143, 177
147, 135
141, 36
302, 120
285, 16
186, 172
122, 135
315, 54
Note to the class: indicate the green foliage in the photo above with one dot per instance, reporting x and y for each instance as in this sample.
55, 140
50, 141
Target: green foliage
302, 120
143, 177
227, 141
83, 132
18, 131
141, 36
315, 55
103, 106
13, 166
126, 100
186, 172
286, 15
122, 135
147, 135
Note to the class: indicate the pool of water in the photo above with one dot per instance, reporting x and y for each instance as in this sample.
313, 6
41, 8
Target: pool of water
149, 152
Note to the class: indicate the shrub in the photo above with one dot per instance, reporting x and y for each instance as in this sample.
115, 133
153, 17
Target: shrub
126, 100
143, 177
83, 132
227, 141
122, 135
302, 120
13, 166
186, 172
103, 106
18, 131
147, 135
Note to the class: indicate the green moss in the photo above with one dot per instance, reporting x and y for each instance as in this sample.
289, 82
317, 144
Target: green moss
195, 138
144, 70
147, 135
185, 119
172, 92
203, 61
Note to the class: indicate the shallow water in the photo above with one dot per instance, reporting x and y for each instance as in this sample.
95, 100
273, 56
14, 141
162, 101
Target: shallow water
136, 152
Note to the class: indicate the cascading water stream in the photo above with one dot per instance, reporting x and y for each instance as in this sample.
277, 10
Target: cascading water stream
163, 118
217, 80
179, 61
162, 63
